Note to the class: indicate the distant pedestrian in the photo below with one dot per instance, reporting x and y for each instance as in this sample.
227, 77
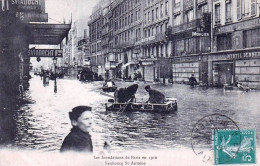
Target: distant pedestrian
192, 81
79, 139
154, 95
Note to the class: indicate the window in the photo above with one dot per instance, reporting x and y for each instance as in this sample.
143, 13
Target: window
246, 7
252, 38
166, 8
202, 9
177, 20
152, 15
145, 18
177, 3
189, 16
224, 42
228, 12
156, 13
217, 13
161, 10
148, 16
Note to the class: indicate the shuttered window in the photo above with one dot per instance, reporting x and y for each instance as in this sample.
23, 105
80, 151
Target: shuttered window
253, 7
238, 9
252, 38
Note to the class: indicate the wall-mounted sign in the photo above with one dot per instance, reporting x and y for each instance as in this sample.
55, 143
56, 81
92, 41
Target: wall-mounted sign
32, 17
117, 50
200, 34
137, 50
29, 5
45, 53
238, 26
82, 42
147, 63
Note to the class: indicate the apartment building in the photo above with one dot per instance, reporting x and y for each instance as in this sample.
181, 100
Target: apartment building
192, 39
157, 48
127, 25
236, 43
95, 36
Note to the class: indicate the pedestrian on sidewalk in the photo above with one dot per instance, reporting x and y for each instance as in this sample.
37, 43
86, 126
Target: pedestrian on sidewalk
79, 139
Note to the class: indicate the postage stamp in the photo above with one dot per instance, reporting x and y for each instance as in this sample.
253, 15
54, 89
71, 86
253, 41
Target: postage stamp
202, 134
234, 147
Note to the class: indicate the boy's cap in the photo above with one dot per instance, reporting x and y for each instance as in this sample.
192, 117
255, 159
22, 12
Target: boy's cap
147, 87
77, 111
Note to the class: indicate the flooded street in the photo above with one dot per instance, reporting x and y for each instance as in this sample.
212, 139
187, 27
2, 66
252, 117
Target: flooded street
44, 124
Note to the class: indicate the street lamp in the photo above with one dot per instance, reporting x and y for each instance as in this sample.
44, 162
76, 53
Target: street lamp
55, 82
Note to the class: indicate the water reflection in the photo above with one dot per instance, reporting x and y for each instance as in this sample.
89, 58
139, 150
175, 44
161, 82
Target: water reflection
42, 125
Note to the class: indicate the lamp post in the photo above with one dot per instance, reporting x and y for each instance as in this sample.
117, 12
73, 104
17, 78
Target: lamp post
55, 82
75, 67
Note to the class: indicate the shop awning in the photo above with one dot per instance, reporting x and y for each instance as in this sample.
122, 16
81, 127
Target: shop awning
49, 34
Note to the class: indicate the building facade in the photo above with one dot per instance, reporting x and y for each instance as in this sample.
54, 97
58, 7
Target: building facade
192, 38
95, 36
156, 46
127, 25
214, 40
236, 43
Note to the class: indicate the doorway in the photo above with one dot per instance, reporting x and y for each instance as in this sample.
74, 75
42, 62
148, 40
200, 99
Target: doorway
223, 73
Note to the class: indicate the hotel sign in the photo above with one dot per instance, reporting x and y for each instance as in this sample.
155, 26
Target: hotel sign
244, 55
45, 53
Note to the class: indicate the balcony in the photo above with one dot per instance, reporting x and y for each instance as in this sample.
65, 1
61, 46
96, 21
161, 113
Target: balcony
202, 2
160, 37
188, 4
177, 9
186, 26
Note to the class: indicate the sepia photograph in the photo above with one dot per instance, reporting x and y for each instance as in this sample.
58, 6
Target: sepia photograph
129, 82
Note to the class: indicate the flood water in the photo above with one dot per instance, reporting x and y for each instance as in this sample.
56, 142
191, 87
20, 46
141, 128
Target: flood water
43, 124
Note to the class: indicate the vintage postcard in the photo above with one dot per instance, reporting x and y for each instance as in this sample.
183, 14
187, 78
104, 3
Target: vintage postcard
129, 82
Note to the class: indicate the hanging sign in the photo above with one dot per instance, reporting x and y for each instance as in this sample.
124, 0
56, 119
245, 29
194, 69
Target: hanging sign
45, 53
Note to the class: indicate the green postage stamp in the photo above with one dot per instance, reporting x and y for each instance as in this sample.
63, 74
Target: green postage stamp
234, 147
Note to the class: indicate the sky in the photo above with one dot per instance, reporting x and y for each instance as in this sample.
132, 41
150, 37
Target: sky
59, 9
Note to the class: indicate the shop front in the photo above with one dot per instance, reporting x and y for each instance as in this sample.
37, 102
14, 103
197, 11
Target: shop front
148, 71
184, 67
236, 66
223, 73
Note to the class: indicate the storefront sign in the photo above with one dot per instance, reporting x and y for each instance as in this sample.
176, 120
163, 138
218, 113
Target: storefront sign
238, 26
82, 42
147, 63
185, 26
244, 55
200, 34
186, 59
117, 50
32, 17
45, 53
29, 5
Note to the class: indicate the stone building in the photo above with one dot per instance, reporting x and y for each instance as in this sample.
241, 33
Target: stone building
157, 49
191, 38
236, 43
95, 36
127, 32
